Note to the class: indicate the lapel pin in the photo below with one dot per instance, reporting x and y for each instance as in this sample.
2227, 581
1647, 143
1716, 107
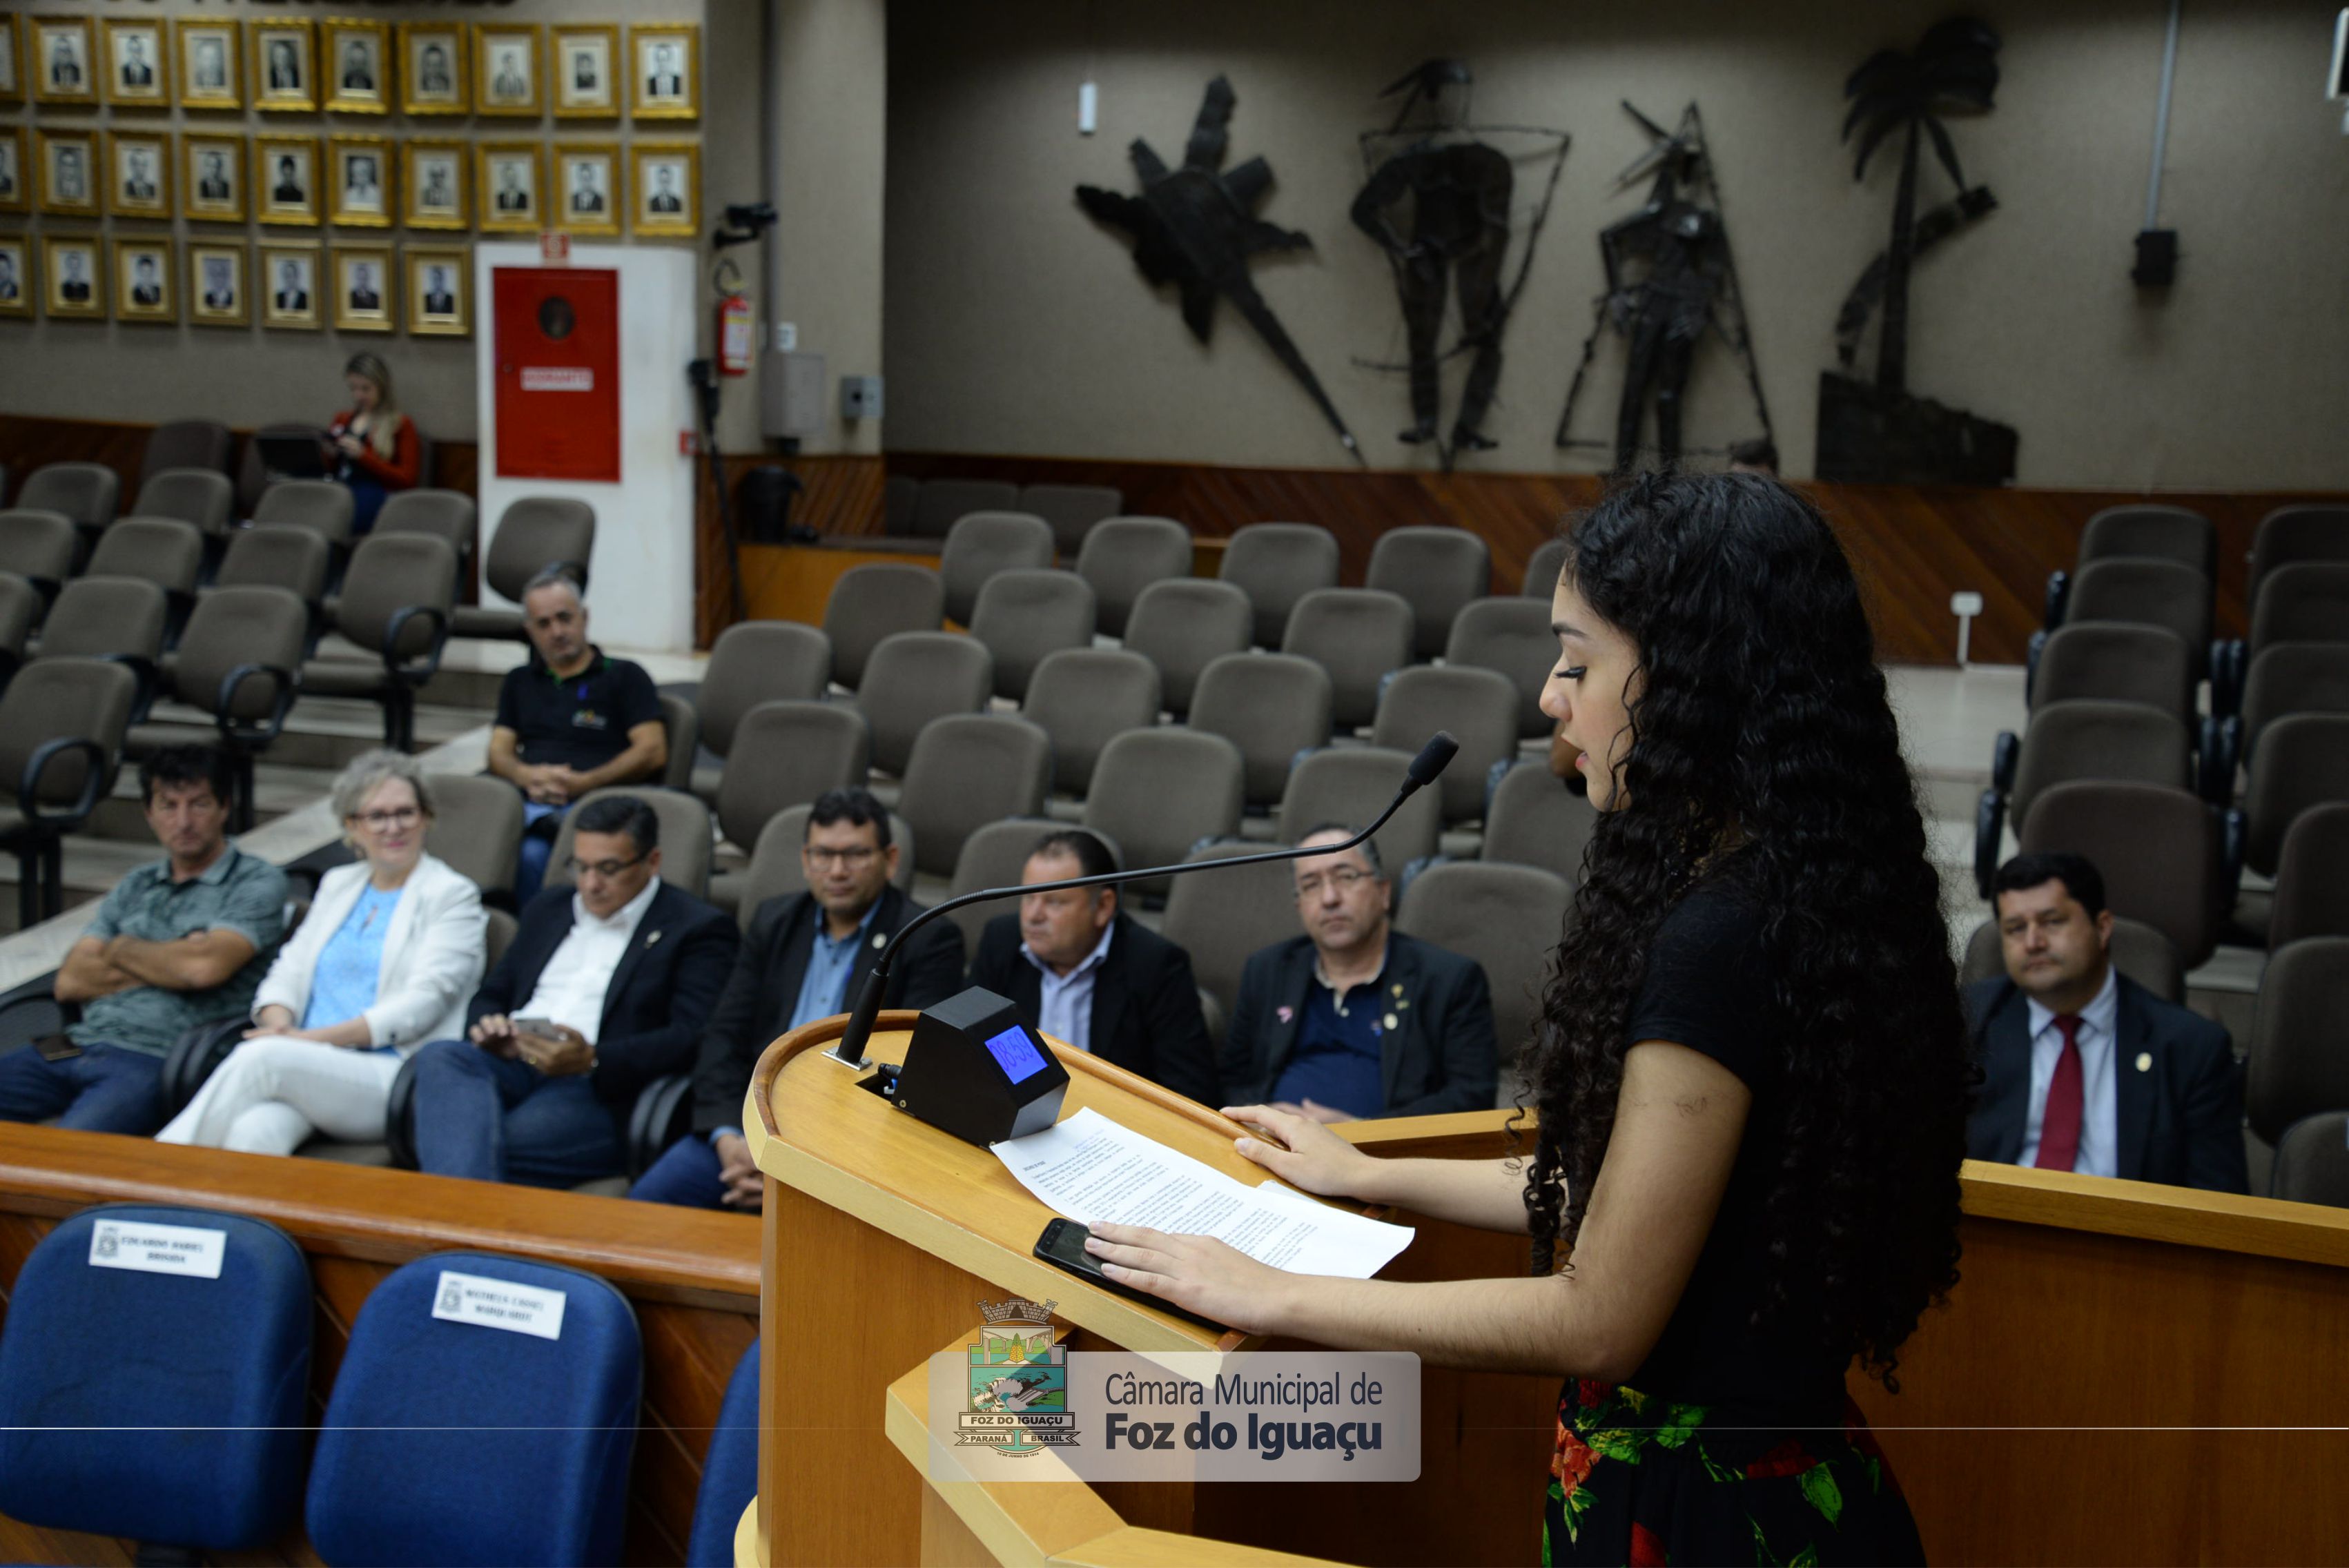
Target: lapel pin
651, 939
1285, 1013
1401, 1005
1398, 988
1392, 1022
879, 942
2145, 1061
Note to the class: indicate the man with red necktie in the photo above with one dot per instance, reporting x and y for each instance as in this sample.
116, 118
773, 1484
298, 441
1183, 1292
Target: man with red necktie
2084, 1069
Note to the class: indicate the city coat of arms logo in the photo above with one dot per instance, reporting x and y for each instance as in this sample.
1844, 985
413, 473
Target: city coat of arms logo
1018, 1383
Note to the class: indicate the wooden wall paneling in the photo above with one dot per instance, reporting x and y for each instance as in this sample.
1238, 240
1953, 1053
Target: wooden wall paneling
840, 494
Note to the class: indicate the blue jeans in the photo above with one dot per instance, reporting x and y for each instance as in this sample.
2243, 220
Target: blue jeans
495, 1120
537, 849
107, 1089
685, 1174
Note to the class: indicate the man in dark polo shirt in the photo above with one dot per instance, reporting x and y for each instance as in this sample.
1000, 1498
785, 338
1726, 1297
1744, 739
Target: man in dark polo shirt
569, 721
180, 942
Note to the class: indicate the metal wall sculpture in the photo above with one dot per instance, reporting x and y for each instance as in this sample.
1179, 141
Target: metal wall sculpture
1879, 433
1439, 205
1686, 286
1196, 228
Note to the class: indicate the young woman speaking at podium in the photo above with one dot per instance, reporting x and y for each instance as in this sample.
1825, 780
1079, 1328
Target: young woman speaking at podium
1750, 1069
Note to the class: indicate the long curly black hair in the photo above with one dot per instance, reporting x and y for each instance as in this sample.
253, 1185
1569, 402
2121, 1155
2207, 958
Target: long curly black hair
1763, 753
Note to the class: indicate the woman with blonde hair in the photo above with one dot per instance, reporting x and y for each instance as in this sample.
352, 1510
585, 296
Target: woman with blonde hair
375, 446
385, 961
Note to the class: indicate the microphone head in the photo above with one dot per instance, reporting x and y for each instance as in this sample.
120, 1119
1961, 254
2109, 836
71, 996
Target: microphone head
1432, 759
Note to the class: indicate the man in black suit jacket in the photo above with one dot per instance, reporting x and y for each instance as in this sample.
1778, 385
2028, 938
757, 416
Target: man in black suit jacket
2083, 1068
806, 958
1083, 972
602, 991
1353, 1018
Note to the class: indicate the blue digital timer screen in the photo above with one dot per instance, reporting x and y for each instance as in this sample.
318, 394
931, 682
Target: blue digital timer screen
1016, 1055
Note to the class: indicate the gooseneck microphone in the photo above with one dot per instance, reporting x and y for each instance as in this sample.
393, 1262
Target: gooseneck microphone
1431, 761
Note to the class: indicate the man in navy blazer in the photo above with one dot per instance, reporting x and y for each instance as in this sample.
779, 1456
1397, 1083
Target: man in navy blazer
2083, 1068
806, 958
605, 989
1353, 1018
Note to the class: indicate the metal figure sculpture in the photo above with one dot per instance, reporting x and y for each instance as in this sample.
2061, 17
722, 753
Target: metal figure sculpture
1196, 228
1440, 209
1688, 287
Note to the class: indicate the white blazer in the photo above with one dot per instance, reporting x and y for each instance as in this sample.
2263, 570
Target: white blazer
432, 956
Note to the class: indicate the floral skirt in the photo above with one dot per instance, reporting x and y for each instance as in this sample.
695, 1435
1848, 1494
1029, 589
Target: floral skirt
1640, 1480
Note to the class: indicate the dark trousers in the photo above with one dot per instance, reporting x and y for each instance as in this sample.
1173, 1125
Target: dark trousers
497, 1120
107, 1089
685, 1174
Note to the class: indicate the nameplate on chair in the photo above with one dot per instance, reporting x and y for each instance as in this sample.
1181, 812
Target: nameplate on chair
498, 1303
190, 1251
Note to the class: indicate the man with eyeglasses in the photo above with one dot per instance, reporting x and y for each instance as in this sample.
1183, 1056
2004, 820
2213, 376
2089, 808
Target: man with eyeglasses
1353, 1018
806, 957
1081, 970
604, 988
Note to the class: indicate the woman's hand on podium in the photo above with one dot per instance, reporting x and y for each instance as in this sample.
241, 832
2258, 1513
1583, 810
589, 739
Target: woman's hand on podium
1305, 1154
1198, 1273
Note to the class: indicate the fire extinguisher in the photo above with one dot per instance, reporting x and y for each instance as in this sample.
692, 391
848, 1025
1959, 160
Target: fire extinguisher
736, 323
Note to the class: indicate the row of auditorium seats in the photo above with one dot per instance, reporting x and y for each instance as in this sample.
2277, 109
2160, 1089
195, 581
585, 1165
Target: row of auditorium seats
392, 1470
927, 509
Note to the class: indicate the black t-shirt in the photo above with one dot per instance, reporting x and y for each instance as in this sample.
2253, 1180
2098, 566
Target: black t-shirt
583, 722
1710, 988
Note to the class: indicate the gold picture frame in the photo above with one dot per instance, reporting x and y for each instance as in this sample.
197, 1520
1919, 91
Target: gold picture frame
585, 69
285, 64
138, 63
434, 57
211, 63
19, 286
216, 284
664, 71
61, 59
65, 162
212, 177
585, 186
12, 62
280, 196
509, 186
146, 278
439, 289
15, 171
139, 174
665, 190
359, 169
354, 65
506, 78
436, 184
365, 290
73, 274
288, 282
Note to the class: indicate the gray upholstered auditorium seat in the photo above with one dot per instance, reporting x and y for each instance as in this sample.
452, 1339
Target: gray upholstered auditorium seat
478, 830
87, 493
2295, 1066
1122, 556
967, 770
685, 837
1083, 698
1542, 569
1156, 792
1222, 918
86, 700
942, 503
240, 660
2311, 531
2138, 951
982, 543
186, 444
1276, 564
1534, 820
775, 867
2157, 847
2302, 761
1353, 784
1478, 707
1512, 636
1270, 705
755, 662
2114, 661
201, 497
20, 611
786, 754
1071, 509
2307, 602
450, 514
875, 602
108, 617
681, 741
294, 559
993, 857
1023, 617
1436, 571
2311, 878
162, 550
2087, 739
2293, 677
914, 677
322, 507
1358, 635
2147, 593
39, 546
2312, 1160
2152, 532
395, 606
1183, 625
533, 534
1508, 918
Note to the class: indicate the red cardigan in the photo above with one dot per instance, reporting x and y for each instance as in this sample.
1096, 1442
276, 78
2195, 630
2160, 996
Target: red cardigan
407, 463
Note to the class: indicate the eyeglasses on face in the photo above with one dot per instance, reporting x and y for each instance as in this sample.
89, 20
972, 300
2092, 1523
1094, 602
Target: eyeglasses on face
605, 869
1346, 881
396, 817
852, 858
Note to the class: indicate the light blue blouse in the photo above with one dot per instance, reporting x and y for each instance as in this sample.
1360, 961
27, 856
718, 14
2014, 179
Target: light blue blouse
351, 963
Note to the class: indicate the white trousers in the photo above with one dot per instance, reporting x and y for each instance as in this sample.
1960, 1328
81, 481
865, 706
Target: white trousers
273, 1092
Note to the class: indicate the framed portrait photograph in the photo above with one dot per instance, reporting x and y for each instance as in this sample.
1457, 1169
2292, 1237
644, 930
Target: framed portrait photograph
144, 284
138, 173
664, 188
212, 177
433, 61
284, 64
286, 176
63, 62
16, 282
586, 64
665, 75
435, 182
439, 279
359, 171
138, 66
505, 69
12, 62
212, 68
587, 187
355, 58
363, 283
217, 285
288, 281
15, 172
68, 166
74, 272
509, 181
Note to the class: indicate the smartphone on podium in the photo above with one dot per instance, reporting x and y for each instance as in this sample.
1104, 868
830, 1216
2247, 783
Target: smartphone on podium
1062, 1245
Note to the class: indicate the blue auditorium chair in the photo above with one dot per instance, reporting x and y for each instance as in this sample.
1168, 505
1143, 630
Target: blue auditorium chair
167, 1409
456, 1442
729, 1474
